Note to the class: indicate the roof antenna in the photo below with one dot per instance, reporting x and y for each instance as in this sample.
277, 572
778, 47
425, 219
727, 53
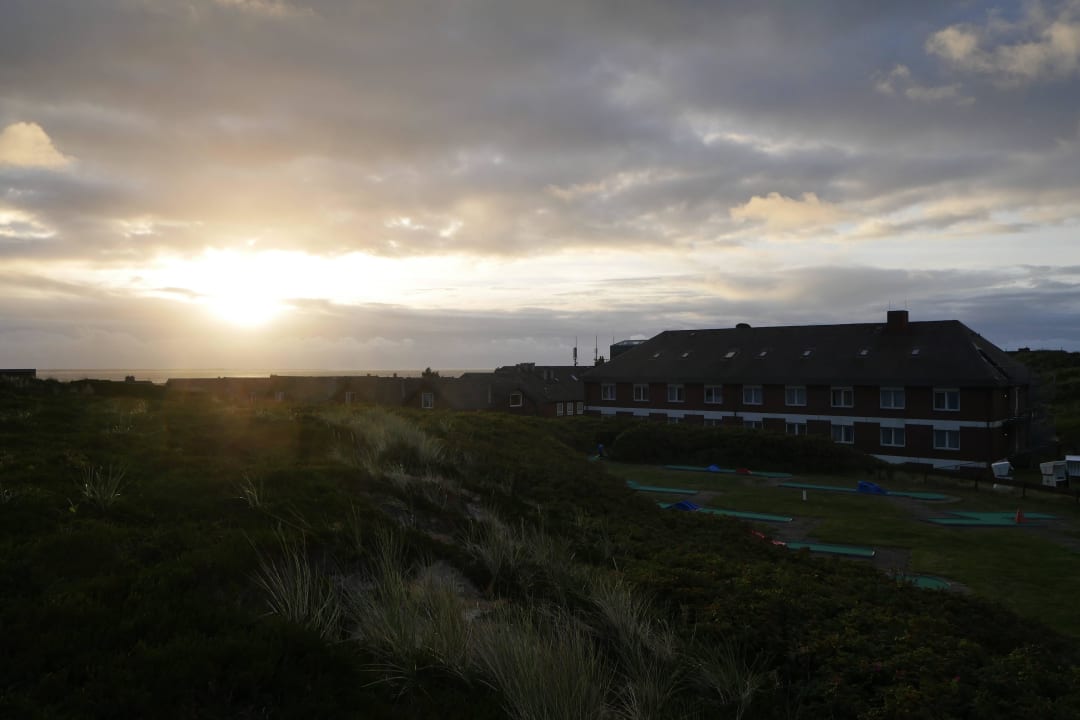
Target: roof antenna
575, 351
596, 348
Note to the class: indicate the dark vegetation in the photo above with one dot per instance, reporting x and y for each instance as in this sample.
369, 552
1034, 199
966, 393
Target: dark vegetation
176, 557
1057, 390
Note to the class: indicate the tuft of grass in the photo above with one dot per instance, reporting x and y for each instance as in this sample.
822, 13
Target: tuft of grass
722, 671
101, 486
411, 623
297, 591
251, 491
546, 667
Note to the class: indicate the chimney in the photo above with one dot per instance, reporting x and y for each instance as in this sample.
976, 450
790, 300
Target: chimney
896, 321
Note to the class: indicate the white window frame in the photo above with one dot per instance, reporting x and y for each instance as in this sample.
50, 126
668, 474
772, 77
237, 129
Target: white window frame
427, 400
580, 408
795, 428
791, 395
349, 397
641, 392
845, 392
714, 394
892, 393
750, 392
943, 394
891, 432
676, 393
520, 399
846, 434
754, 424
569, 409
607, 391
946, 435
712, 422
559, 409
674, 419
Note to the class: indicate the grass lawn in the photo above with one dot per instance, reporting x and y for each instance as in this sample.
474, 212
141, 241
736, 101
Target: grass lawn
1027, 569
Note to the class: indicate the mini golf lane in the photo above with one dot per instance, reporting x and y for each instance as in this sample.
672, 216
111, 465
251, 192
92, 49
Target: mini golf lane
742, 514
853, 491
659, 489
847, 550
729, 471
989, 519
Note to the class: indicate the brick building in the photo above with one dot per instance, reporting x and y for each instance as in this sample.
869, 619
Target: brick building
926, 392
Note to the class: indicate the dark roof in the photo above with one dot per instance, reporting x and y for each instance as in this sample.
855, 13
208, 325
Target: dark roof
943, 352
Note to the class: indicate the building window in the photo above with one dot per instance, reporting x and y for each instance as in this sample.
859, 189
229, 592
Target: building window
559, 409
581, 408
892, 436
842, 397
675, 393
607, 391
795, 395
796, 428
427, 400
751, 395
946, 399
641, 393
892, 398
712, 422
516, 399
843, 434
714, 394
753, 425
673, 419
569, 408
349, 397
946, 439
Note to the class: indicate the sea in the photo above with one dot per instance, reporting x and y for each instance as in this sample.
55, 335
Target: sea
160, 376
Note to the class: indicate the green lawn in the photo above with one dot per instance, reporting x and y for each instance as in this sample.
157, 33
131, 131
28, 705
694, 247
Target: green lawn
1026, 569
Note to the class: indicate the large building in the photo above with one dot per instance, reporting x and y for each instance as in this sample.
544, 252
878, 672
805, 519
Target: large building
924, 392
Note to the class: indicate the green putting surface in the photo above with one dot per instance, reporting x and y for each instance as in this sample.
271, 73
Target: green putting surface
657, 489
728, 471
736, 513
978, 522
853, 491
848, 550
928, 582
1006, 515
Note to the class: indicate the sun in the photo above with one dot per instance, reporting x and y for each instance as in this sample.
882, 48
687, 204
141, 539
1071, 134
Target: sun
245, 310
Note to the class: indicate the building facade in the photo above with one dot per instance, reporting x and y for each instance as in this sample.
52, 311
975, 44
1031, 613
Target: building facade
934, 392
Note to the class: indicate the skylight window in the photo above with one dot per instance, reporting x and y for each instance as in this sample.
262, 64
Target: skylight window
686, 354
763, 353
864, 352
914, 352
807, 353
656, 355
730, 354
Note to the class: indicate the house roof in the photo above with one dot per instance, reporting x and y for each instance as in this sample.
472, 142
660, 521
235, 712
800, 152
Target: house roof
943, 352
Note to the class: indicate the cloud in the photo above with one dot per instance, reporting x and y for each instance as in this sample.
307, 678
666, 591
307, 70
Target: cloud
785, 214
25, 144
1036, 48
899, 81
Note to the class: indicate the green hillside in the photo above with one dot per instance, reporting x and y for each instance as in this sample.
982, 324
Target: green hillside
171, 556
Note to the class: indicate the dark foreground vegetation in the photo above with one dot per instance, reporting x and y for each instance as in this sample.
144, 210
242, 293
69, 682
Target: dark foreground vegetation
174, 557
1058, 392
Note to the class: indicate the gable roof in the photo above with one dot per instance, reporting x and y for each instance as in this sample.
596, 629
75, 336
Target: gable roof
944, 352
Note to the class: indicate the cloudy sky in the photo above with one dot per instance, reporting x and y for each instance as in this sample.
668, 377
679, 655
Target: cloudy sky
344, 184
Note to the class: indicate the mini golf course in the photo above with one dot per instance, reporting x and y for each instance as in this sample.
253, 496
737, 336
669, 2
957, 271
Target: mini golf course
659, 489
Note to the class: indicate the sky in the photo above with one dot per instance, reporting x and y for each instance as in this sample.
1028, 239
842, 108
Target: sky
341, 184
